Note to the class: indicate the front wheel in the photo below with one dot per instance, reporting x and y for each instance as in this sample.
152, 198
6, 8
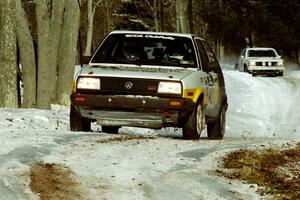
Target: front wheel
245, 68
216, 130
77, 122
195, 124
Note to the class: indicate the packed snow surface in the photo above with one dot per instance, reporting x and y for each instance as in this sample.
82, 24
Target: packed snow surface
262, 111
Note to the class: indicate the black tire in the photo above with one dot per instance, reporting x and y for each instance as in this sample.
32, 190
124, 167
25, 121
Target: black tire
110, 129
77, 122
236, 66
195, 124
216, 130
245, 69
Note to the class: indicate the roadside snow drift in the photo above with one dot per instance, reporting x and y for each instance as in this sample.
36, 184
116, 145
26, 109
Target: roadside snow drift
263, 106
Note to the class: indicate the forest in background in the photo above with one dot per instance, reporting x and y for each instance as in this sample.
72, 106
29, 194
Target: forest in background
42, 40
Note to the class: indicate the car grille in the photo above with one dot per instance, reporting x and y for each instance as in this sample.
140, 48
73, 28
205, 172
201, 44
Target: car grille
125, 86
266, 63
128, 86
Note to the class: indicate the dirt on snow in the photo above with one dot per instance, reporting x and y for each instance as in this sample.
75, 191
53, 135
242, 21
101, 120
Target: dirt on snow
275, 171
54, 182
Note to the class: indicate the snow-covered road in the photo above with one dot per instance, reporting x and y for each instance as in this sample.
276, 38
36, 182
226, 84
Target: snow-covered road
143, 163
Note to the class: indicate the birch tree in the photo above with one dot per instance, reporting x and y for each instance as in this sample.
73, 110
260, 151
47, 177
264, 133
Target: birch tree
182, 24
90, 28
8, 60
91, 9
92, 6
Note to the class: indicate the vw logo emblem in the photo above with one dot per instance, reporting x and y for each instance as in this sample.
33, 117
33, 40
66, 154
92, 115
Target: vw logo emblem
128, 85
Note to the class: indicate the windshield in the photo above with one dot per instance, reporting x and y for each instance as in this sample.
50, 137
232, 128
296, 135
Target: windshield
146, 49
261, 53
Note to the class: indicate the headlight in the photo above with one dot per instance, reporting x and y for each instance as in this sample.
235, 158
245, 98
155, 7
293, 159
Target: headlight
88, 83
169, 88
251, 62
280, 63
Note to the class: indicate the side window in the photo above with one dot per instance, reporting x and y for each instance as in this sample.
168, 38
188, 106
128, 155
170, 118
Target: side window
203, 56
210, 54
106, 50
213, 62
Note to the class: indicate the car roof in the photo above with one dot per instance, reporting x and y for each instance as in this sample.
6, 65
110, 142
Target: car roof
188, 35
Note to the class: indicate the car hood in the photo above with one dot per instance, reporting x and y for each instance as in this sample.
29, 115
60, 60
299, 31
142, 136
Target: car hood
134, 71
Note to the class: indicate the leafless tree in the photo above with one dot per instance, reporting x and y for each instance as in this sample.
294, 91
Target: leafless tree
91, 9
182, 23
8, 60
27, 57
44, 76
67, 51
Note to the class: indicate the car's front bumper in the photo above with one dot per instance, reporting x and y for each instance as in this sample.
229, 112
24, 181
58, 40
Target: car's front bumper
266, 70
130, 110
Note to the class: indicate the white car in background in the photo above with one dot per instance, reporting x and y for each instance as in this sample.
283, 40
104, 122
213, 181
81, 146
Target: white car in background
263, 61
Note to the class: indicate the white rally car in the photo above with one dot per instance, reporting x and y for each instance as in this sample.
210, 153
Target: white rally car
150, 79
265, 61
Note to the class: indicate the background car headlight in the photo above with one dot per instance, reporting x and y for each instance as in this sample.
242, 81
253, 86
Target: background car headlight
251, 62
280, 63
88, 83
169, 88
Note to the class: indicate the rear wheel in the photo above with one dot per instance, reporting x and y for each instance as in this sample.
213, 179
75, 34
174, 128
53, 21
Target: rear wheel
216, 130
195, 124
77, 122
110, 129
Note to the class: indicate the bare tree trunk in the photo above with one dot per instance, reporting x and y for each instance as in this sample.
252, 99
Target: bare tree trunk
89, 37
44, 75
54, 38
190, 16
27, 57
177, 6
182, 24
155, 15
8, 58
155, 10
67, 51
109, 5
161, 15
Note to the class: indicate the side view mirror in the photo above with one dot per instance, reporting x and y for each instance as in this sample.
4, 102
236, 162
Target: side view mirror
242, 57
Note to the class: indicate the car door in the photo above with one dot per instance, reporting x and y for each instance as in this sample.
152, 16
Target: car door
217, 81
210, 83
